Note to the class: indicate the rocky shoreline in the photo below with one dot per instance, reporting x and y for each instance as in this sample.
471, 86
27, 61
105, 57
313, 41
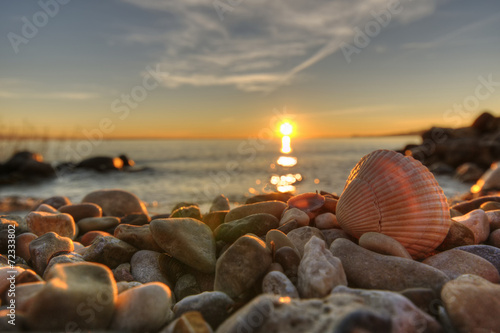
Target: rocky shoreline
314, 262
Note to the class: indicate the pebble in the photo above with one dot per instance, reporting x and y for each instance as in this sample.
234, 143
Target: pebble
56, 202
302, 235
295, 214
149, 266
494, 239
277, 283
188, 240
185, 286
490, 205
383, 244
326, 221
24, 293
423, 298
472, 304
40, 223
137, 236
455, 263
220, 203
370, 270
110, 251
81, 211
122, 272
332, 234
145, 308
319, 271
276, 239
116, 202
289, 259
258, 224
288, 226
477, 221
97, 223
62, 259
189, 322
90, 236
405, 316
46, 208
189, 211
45, 246
66, 301
494, 219
458, 235
243, 263
214, 219
275, 208
23, 245
215, 306
135, 219
183, 204
124, 285
490, 253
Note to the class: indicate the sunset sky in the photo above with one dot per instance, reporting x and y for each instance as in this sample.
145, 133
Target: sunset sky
338, 68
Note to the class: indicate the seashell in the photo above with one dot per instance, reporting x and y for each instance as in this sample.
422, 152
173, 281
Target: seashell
310, 203
395, 195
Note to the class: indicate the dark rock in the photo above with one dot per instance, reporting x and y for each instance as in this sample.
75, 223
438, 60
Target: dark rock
101, 163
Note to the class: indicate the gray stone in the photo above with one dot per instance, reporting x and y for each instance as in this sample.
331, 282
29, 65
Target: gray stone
490, 253
185, 286
242, 265
319, 271
289, 260
370, 270
302, 235
45, 246
455, 263
137, 236
149, 266
277, 283
109, 251
68, 258
215, 306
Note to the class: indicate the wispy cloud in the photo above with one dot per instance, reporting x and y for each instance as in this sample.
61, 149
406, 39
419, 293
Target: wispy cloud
55, 95
260, 45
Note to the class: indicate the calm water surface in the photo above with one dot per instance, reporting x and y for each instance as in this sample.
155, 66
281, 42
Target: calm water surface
196, 170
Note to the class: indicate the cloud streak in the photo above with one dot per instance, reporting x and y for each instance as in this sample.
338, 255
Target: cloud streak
260, 45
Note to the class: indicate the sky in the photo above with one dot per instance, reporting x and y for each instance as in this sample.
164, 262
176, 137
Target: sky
228, 68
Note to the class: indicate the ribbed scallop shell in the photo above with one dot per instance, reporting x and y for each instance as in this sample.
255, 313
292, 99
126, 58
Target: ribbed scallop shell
397, 196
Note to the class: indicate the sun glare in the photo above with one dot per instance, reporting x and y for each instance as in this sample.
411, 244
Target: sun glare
286, 128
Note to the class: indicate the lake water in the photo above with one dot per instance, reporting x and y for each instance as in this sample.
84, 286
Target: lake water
197, 170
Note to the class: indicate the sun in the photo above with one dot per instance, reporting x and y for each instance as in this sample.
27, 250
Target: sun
286, 128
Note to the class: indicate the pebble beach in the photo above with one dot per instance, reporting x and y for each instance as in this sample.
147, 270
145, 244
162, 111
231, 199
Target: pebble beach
389, 254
